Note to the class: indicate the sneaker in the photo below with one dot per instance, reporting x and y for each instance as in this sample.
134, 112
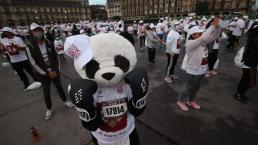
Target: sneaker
151, 62
174, 77
48, 114
68, 104
213, 72
182, 106
207, 75
241, 99
168, 79
194, 105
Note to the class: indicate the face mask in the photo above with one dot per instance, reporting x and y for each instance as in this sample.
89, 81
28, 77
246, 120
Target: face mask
38, 35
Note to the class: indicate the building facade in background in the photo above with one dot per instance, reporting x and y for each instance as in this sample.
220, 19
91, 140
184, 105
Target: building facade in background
98, 12
144, 9
114, 8
43, 11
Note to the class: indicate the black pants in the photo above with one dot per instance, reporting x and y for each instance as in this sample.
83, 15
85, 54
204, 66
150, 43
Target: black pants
19, 68
46, 90
134, 138
142, 41
61, 57
247, 81
212, 58
233, 41
172, 61
151, 54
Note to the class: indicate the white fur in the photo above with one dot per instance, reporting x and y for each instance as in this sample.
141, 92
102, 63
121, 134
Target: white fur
105, 47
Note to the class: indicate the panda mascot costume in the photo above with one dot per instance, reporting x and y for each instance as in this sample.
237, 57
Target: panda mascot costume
111, 91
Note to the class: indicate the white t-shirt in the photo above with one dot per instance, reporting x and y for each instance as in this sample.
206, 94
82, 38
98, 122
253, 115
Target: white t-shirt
59, 46
238, 29
43, 50
15, 54
203, 68
232, 25
113, 105
161, 28
172, 42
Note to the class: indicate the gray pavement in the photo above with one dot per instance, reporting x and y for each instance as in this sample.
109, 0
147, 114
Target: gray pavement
222, 121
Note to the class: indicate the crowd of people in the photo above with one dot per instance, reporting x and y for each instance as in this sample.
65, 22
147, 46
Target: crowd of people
39, 49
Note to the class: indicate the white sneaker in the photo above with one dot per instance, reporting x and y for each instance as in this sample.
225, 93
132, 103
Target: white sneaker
68, 104
168, 79
48, 114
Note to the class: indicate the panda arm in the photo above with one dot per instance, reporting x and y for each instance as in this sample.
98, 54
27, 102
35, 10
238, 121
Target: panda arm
82, 95
135, 111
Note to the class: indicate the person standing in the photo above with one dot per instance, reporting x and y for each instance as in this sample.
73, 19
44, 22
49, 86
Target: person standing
141, 34
43, 57
14, 47
151, 43
237, 32
250, 60
172, 51
197, 62
59, 46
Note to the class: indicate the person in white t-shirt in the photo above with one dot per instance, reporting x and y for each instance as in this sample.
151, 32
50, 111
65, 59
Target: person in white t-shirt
172, 51
197, 62
237, 32
59, 46
15, 48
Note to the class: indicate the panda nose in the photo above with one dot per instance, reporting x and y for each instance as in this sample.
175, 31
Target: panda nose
108, 76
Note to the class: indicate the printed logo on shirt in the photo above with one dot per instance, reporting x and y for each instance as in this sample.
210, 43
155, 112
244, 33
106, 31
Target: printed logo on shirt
74, 51
114, 115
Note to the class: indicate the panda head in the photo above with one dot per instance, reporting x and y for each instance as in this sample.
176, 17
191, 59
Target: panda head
113, 58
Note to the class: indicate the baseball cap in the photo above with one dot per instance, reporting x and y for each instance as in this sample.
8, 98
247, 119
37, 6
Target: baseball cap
235, 18
152, 26
34, 26
256, 20
195, 29
245, 17
7, 29
78, 47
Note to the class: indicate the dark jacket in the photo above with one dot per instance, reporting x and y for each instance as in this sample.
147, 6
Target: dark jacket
250, 56
37, 61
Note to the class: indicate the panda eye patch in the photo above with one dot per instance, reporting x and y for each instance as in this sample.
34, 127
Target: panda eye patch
122, 62
91, 68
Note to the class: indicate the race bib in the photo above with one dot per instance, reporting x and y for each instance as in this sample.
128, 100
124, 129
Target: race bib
114, 109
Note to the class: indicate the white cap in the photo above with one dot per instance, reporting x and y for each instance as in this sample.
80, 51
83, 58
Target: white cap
204, 19
195, 29
245, 17
256, 20
78, 47
141, 21
177, 22
161, 18
235, 18
152, 26
34, 26
7, 29
212, 17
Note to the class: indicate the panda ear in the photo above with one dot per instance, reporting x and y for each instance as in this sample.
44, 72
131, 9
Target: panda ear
127, 36
122, 62
91, 68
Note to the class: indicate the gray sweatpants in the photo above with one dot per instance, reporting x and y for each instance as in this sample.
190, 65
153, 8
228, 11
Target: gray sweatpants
192, 87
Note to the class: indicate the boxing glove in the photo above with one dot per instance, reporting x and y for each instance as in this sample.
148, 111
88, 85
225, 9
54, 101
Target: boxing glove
138, 82
81, 92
